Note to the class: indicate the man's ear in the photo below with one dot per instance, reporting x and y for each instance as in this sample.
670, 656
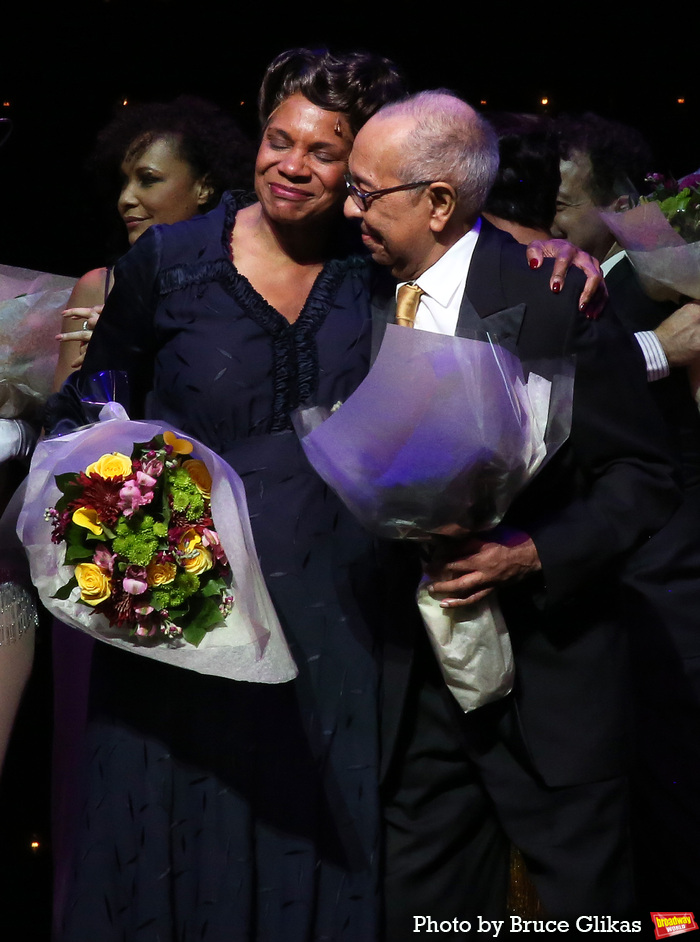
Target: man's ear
443, 199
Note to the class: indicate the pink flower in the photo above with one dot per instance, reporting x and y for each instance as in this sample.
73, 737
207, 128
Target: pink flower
153, 467
210, 539
691, 180
145, 481
134, 581
104, 559
131, 497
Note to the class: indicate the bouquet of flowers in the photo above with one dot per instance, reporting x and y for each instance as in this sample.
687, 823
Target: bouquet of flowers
661, 236
662, 239
140, 536
443, 430
139, 532
30, 305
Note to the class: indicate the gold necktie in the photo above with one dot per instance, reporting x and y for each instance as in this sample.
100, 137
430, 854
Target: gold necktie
407, 300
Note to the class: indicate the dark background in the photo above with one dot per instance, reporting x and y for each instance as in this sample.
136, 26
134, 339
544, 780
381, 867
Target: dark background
65, 68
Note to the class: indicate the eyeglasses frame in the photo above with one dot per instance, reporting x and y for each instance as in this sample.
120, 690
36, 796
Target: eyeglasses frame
360, 198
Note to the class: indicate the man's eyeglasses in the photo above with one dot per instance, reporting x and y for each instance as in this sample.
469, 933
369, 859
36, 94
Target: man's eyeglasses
362, 199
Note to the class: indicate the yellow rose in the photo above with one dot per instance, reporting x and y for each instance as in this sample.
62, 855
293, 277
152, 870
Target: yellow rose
199, 560
87, 517
95, 585
111, 466
197, 470
160, 573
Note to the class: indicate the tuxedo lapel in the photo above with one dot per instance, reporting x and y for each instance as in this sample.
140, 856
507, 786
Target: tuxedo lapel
484, 306
383, 305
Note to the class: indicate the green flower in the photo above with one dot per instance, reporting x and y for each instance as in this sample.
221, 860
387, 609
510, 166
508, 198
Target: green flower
185, 496
173, 595
137, 538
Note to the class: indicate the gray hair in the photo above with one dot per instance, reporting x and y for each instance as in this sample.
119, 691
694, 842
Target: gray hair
449, 142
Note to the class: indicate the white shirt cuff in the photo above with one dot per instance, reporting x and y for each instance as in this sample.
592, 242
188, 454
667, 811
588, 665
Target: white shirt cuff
657, 364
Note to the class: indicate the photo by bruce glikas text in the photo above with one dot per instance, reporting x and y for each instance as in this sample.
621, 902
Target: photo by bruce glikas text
492, 927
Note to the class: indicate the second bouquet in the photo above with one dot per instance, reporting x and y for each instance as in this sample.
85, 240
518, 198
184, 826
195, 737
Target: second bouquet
444, 430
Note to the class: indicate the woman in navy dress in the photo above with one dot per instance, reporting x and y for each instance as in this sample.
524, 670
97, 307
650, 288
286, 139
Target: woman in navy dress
219, 810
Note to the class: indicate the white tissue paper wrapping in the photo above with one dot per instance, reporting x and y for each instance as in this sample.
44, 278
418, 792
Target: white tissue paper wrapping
250, 646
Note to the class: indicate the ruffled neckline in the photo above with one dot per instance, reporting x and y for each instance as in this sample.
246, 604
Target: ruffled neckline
294, 353
322, 292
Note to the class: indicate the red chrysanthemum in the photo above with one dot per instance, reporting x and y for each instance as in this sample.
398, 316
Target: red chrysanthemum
102, 494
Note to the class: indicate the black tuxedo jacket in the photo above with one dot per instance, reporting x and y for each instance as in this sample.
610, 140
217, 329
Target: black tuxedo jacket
665, 570
610, 486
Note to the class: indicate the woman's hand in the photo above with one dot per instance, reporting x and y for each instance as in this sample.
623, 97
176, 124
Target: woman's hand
78, 325
595, 292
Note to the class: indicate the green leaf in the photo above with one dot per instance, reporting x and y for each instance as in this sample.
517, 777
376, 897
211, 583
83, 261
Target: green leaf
193, 634
204, 618
214, 586
65, 591
64, 480
77, 552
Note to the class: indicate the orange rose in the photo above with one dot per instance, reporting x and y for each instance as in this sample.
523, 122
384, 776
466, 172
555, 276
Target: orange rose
197, 561
160, 573
197, 470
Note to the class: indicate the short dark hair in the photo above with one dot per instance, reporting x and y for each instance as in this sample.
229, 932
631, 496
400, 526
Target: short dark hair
208, 139
527, 182
356, 84
620, 156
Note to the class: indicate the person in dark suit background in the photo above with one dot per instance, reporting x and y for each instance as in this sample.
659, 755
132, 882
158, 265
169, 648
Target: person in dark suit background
603, 164
546, 764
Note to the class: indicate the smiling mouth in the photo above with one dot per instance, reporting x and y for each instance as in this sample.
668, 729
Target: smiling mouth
289, 192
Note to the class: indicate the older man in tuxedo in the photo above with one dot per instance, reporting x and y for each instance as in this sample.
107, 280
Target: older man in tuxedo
544, 766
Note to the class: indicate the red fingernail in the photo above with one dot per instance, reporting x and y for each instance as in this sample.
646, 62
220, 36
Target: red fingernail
556, 287
533, 263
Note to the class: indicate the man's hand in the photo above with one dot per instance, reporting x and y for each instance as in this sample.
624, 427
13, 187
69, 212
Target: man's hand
679, 335
502, 555
594, 294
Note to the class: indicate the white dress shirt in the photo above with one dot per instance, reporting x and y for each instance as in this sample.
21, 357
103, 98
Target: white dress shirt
657, 364
443, 285
444, 282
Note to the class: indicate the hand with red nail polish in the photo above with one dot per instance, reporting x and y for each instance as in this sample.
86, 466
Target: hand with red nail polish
594, 294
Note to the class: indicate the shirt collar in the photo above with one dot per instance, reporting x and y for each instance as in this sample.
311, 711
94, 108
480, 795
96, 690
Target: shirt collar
448, 274
611, 262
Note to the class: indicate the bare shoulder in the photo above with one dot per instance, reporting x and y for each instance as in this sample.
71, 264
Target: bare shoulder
89, 290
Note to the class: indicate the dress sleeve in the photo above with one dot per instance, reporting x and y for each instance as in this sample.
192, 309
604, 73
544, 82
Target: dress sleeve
125, 337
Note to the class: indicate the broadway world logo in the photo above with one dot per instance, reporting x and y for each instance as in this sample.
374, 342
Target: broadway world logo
672, 924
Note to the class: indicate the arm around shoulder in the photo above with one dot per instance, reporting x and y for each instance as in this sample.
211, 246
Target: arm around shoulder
87, 297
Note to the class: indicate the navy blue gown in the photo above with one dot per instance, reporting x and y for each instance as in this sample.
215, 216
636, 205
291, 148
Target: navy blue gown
216, 810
